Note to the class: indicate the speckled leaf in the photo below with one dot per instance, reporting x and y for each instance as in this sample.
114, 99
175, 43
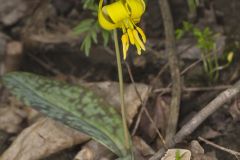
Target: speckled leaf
75, 106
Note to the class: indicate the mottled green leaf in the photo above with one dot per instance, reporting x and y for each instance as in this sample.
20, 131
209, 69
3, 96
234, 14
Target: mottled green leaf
75, 106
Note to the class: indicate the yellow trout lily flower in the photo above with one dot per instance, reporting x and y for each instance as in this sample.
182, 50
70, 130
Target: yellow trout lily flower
124, 14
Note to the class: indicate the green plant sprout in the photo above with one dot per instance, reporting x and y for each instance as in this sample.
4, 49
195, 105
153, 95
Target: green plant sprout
178, 155
193, 4
207, 45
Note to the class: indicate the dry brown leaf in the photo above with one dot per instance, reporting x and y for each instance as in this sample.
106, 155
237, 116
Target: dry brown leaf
12, 11
54, 38
94, 151
11, 119
13, 56
11, 116
142, 146
43, 138
159, 114
171, 154
198, 152
196, 148
85, 154
234, 110
209, 133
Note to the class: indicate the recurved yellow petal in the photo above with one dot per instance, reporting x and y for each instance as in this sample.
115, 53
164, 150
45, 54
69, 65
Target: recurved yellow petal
130, 35
142, 34
136, 8
117, 11
104, 20
124, 14
138, 40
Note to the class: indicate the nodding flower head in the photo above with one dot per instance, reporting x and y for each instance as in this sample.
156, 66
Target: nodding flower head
124, 14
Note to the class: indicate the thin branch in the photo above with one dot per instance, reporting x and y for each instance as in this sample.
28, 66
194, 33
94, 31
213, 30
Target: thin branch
194, 89
143, 103
45, 65
216, 103
202, 115
235, 153
174, 68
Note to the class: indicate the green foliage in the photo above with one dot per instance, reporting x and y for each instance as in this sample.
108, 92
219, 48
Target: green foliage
187, 27
73, 105
89, 28
206, 44
178, 155
90, 5
193, 4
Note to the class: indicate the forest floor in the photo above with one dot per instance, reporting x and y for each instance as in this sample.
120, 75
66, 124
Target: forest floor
34, 37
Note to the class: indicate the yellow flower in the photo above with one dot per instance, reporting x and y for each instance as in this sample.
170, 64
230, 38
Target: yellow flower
124, 14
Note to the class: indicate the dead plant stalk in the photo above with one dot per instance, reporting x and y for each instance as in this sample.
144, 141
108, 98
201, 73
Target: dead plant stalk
174, 69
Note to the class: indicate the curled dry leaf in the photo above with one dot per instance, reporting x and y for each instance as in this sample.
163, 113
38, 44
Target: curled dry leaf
198, 152
12, 11
94, 151
234, 110
42, 139
196, 148
209, 133
85, 154
11, 116
142, 147
177, 154
159, 114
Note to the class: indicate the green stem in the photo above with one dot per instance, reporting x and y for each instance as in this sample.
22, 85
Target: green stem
120, 78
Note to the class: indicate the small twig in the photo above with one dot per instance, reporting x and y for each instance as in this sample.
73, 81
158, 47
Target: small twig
167, 64
162, 55
45, 65
216, 103
143, 103
174, 68
235, 153
109, 50
191, 66
194, 89
202, 115
182, 72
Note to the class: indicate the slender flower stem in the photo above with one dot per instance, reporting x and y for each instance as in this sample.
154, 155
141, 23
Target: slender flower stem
120, 78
